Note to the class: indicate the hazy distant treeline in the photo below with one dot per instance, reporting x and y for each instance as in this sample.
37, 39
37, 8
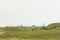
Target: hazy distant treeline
33, 27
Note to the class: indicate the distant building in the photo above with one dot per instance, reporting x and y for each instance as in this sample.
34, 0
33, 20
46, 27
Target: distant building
33, 26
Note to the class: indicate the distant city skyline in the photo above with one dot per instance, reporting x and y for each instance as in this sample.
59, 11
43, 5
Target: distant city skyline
29, 12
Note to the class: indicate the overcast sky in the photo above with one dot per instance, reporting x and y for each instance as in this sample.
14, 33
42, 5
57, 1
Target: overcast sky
29, 12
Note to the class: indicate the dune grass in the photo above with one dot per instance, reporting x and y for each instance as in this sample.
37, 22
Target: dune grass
29, 34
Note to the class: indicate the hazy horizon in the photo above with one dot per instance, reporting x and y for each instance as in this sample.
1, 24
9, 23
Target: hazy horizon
29, 12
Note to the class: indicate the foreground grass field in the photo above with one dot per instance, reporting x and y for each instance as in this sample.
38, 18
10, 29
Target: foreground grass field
28, 39
27, 33
32, 35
